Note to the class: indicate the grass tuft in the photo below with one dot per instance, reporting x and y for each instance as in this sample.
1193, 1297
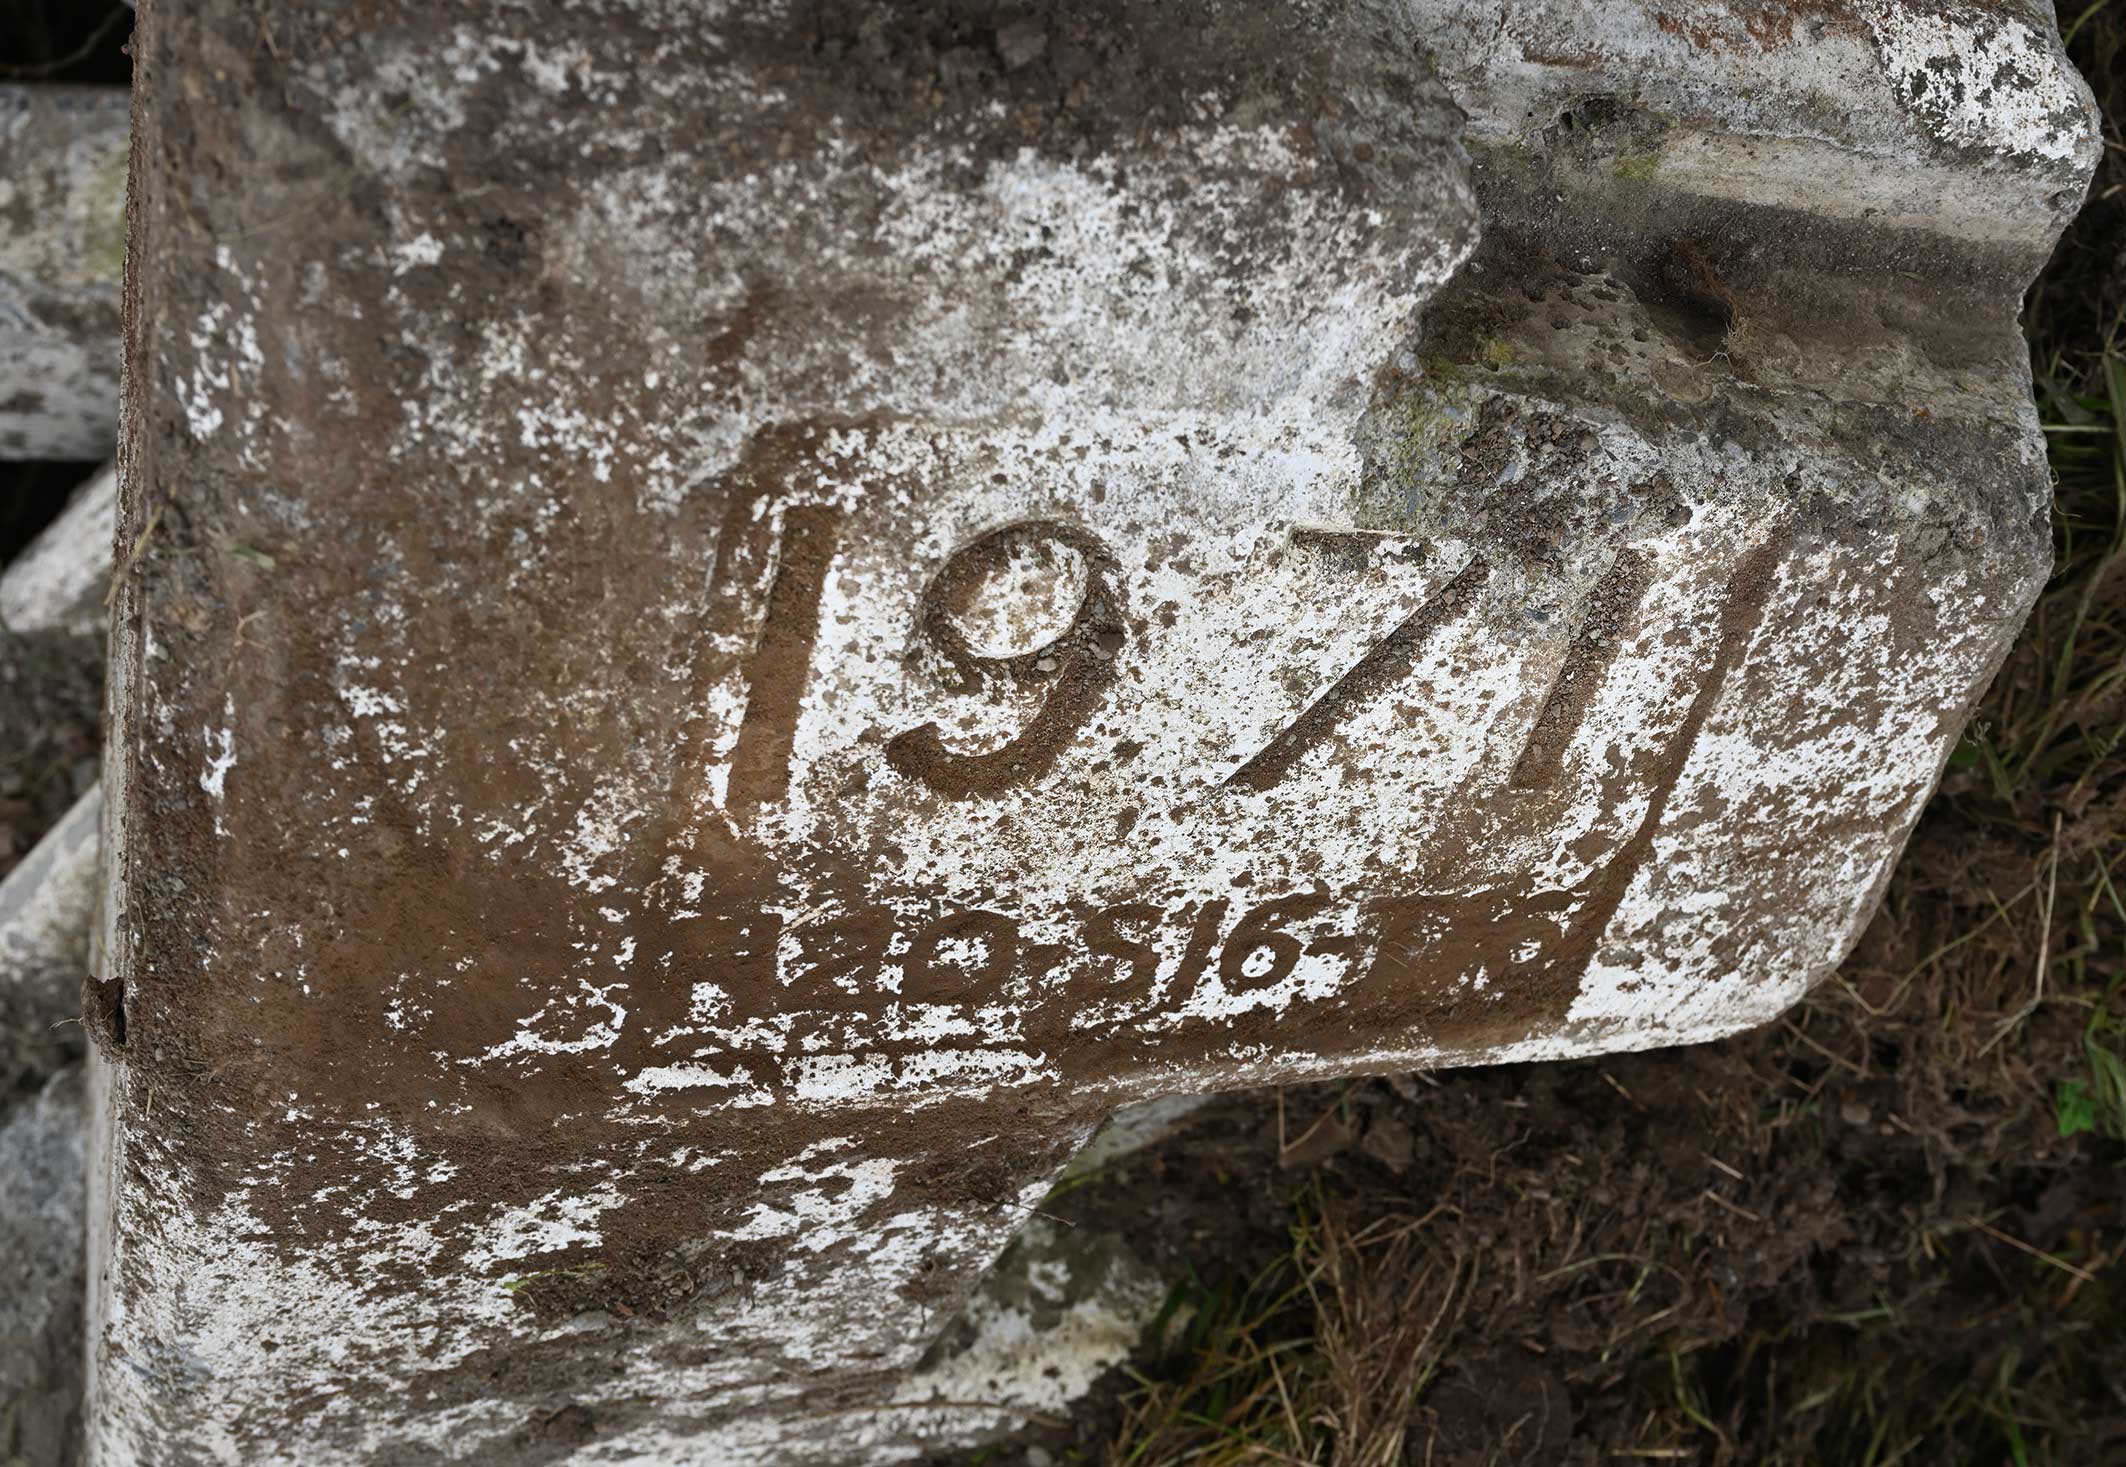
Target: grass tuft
1321, 1359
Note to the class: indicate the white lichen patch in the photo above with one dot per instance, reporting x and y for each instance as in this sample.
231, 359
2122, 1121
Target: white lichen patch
221, 758
1978, 79
1071, 1315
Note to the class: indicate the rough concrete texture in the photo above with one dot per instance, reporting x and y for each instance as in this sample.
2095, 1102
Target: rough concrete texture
51, 647
41, 1160
1131, 1129
51, 653
47, 907
62, 244
1057, 1309
748, 617
51, 616
57, 585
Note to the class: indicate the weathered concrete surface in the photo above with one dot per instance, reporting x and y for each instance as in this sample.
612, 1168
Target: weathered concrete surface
47, 907
52, 652
1955, 120
41, 1284
51, 614
1059, 1308
62, 244
1054, 1312
745, 620
56, 586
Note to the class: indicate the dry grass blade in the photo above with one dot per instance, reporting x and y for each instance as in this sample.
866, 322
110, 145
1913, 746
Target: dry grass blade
1386, 1307
1318, 1362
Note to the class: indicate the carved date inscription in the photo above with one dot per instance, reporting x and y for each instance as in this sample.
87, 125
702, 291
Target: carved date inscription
1074, 668
1138, 953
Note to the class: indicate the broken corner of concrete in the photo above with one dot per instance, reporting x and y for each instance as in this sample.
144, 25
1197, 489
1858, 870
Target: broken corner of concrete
743, 622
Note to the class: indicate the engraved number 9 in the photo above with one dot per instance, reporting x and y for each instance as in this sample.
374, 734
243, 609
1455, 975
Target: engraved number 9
1002, 576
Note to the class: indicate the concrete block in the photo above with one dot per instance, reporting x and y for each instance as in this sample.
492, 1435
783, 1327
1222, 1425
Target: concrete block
51, 615
56, 586
746, 620
1059, 1309
62, 247
47, 910
52, 648
42, 1207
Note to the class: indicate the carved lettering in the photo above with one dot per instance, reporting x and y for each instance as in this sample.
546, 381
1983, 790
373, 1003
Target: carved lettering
1075, 667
